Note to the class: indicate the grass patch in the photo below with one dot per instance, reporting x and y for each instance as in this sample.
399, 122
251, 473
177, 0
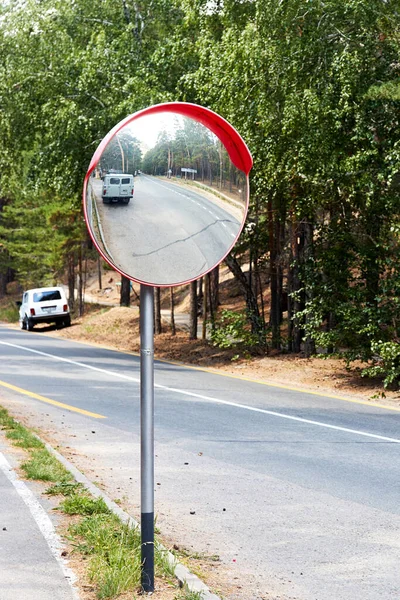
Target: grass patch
23, 438
81, 504
6, 421
17, 433
43, 466
114, 551
162, 562
186, 594
64, 488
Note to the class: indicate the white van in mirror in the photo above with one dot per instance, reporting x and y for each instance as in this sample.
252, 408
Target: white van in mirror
117, 187
44, 305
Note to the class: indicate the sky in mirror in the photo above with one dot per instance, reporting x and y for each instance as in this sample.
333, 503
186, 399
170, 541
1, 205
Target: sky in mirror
165, 202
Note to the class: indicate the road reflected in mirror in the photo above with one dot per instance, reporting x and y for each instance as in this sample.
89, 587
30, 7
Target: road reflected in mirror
165, 203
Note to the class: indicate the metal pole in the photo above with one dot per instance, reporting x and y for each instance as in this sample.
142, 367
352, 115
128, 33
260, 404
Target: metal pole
147, 434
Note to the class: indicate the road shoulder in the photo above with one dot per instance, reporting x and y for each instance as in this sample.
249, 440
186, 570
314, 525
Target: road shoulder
32, 564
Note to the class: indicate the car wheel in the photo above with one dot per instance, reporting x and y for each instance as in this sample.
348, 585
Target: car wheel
67, 321
22, 323
125, 200
29, 324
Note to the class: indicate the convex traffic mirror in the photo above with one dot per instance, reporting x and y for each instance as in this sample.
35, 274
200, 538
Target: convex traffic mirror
165, 199
166, 193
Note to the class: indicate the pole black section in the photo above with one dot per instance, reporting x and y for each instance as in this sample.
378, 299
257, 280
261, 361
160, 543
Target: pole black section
147, 527
147, 434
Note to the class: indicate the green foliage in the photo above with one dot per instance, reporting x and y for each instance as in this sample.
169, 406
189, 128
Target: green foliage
313, 88
71, 70
386, 363
232, 328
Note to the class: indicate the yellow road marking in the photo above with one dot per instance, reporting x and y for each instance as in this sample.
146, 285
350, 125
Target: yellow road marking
49, 401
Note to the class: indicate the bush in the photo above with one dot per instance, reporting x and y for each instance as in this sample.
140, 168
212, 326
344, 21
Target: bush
9, 312
232, 328
386, 362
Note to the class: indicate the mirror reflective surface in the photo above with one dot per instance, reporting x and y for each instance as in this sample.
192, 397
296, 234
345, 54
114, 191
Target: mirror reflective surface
164, 202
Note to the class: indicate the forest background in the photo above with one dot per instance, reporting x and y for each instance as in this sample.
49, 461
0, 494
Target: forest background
314, 89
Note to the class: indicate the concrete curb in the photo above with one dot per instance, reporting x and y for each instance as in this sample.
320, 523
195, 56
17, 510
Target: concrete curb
184, 576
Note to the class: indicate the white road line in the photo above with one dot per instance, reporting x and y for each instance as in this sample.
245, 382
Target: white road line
191, 199
41, 519
212, 399
173, 190
73, 362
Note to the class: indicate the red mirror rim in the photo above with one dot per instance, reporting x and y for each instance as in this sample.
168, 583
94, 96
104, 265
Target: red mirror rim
233, 142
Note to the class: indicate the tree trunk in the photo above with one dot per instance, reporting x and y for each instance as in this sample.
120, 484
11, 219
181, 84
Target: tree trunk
259, 290
171, 301
221, 166
205, 306
193, 311
297, 301
290, 304
302, 249
80, 283
214, 291
257, 325
200, 292
3, 284
125, 294
276, 235
157, 311
71, 281
309, 344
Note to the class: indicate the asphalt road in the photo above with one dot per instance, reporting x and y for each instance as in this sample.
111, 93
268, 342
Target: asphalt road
298, 493
31, 565
167, 233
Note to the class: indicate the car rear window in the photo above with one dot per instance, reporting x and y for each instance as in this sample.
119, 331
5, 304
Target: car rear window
114, 180
125, 180
45, 296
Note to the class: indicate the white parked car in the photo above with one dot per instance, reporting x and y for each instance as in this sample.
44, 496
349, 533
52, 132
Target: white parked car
117, 187
44, 305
